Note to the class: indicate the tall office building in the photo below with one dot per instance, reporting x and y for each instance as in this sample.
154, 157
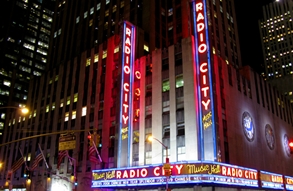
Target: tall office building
276, 31
24, 43
216, 123
79, 26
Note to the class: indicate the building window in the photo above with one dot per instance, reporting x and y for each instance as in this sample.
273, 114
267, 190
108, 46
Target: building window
77, 19
166, 85
92, 10
179, 81
83, 113
88, 61
96, 59
181, 154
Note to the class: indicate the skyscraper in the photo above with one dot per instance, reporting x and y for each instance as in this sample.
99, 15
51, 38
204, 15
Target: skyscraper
276, 32
79, 26
24, 43
215, 123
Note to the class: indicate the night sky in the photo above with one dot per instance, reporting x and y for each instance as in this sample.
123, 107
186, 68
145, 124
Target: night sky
247, 16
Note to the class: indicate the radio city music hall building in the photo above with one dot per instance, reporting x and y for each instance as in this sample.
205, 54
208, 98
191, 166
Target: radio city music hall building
223, 127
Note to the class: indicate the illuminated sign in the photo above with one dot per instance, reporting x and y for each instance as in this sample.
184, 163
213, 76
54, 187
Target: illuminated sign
204, 82
182, 173
288, 182
127, 76
271, 180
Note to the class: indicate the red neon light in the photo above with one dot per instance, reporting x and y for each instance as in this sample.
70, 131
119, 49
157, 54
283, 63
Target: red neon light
137, 74
137, 92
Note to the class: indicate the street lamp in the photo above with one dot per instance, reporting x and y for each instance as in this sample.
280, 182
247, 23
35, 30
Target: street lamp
23, 110
167, 164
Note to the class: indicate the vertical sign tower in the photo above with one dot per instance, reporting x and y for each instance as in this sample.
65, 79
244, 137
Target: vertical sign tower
203, 75
126, 99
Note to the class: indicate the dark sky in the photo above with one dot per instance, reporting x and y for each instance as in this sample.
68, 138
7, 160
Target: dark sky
247, 16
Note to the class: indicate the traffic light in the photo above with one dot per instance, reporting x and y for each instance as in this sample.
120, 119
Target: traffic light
90, 140
290, 143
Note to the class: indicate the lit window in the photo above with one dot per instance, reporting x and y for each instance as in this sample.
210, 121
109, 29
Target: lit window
66, 116
146, 48
3, 115
98, 6
77, 19
1, 125
91, 22
96, 59
73, 115
166, 85
88, 62
61, 103
179, 81
47, 108
116, 49
53, 106
83, 112
107, 2
35, 113
7, 83
85, 15
68, 101
104, 54
75, 97
92, 10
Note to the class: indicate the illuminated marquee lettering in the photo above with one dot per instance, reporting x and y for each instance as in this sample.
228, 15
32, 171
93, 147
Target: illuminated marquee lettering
127, 95
202, 49
240, 173
127, 71
182, 173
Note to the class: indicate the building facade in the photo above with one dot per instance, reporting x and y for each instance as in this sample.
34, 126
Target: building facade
276, 38
24, 45
253, 121
220, 123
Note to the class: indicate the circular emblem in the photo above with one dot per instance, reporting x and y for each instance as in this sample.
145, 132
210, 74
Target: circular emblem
248, 126
270, 137
286, 144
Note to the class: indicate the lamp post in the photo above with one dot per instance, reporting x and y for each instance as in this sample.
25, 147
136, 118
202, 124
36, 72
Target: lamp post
167, 164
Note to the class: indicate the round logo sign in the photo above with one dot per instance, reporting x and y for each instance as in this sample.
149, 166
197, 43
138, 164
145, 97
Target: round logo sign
270, 137
248, 126
286, 144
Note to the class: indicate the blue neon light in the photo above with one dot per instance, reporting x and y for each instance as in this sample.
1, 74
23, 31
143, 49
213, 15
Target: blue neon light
202, 135
121, 101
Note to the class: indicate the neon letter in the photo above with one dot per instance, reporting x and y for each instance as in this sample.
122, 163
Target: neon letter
128, 31
127, 41
199, 7
202, 69
200, 27
124, 119
127, 50
126, 69
206, 104
126, 87
202, 48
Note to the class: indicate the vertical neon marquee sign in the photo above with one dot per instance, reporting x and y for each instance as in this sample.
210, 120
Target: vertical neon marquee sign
207, 141
127, 74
